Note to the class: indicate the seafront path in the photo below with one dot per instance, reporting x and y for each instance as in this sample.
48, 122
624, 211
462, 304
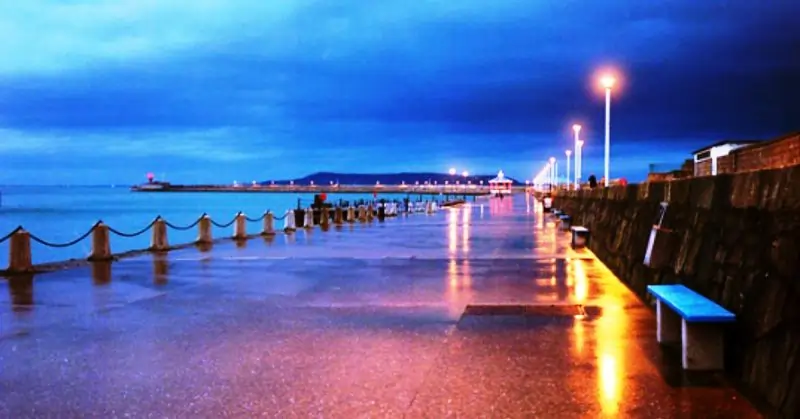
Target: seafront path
394, 319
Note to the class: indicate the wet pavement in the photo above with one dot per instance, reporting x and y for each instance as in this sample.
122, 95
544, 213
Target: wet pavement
362, 321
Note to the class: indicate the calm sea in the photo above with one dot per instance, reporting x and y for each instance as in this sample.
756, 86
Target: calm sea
61, 214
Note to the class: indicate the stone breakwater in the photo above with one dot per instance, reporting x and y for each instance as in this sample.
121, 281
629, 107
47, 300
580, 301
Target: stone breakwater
733, 238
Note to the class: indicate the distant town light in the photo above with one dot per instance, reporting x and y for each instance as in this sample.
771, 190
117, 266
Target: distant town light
465, 173
452, 171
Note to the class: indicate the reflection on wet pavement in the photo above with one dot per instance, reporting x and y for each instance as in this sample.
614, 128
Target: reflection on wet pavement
367, 320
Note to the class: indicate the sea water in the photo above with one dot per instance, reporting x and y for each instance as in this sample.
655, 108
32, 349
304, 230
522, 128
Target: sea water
60, 214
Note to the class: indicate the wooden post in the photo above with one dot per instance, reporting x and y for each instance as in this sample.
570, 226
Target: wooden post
101, 245
159, 242
288, 222
362, 213
370, 213
351, 214
323, 218
269, 228
240, 227
337, 216
204, 230
19, 252
309, 221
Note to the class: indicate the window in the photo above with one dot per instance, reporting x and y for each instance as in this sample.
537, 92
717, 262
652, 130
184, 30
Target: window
702, 155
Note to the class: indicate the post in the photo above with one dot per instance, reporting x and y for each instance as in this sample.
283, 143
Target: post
204, 230
309, 221
608, 132
159, 242
288, 222
269, 221
324, 217
337, 216
370, 213
351, 214
240, 227
101, 246
19, 252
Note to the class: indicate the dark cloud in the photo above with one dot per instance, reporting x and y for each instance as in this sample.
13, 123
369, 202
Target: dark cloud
521, 71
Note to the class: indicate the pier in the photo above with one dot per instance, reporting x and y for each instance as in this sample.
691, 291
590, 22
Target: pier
454, 190
481, 310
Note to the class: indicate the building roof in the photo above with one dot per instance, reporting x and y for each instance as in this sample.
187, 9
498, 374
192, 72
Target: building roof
724, 142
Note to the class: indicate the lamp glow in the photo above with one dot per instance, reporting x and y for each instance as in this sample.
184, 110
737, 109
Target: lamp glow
452, 171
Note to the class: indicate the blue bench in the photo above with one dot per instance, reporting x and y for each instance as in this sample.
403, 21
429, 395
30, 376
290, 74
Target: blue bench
693, 320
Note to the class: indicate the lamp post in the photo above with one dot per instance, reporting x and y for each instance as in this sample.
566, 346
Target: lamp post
552, 172
577, 130
608, 82
568, 153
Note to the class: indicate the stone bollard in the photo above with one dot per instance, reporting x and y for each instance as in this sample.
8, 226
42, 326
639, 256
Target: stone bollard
269, 222
240, 227
337, 216
324, 217
101, 245
351, 214
362, 213
309, 223
288, 222
159, 242
370, 213
19, 252
204, 230
381, 213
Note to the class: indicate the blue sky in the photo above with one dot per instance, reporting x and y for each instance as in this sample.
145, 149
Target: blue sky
215, 90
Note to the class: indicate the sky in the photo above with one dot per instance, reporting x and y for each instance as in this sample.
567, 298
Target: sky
104, 91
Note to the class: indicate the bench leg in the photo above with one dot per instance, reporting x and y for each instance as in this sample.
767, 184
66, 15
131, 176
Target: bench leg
669, 324
703, 347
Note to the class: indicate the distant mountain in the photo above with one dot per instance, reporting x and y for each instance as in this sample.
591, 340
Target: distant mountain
410, 178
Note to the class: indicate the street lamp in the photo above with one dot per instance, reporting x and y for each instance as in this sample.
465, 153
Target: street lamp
577, 130
452, 171
568, 153
608, 82
552, 172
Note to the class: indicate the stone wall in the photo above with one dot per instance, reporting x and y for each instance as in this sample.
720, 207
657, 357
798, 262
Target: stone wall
734, 238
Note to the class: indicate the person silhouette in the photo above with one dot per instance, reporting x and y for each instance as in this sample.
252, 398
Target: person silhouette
592, 181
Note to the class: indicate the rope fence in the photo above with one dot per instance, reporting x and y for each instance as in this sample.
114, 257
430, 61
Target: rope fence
20, 258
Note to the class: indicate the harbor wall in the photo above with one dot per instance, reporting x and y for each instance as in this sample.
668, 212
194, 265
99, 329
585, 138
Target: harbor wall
733, 238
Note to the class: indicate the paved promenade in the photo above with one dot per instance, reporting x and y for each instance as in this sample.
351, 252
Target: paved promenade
364, 322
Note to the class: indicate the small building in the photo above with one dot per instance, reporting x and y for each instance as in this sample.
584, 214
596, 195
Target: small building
706, 159
500, 185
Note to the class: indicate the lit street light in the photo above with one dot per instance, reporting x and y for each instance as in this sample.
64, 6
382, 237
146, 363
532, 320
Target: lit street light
608, 82
569, 153
465, 173
452, 171
577, 129
552, 172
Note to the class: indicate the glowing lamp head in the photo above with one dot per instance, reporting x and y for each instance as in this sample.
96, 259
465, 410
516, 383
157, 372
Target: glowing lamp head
552, 160
607, 81
576, 128
465, 173
452, 171
569, 153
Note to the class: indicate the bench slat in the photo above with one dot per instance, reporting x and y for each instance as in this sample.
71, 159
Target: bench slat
690, 305
579, 229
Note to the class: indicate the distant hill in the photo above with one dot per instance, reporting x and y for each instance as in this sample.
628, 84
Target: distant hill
410, 178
